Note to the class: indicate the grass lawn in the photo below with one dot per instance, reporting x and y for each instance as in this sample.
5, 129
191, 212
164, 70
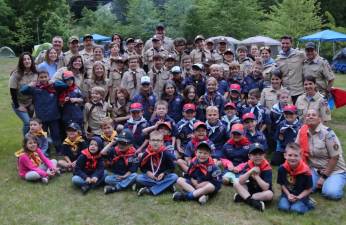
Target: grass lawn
59, 203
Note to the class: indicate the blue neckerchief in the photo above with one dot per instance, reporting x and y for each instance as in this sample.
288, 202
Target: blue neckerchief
253, 108
186, 122
212, 128
292, 126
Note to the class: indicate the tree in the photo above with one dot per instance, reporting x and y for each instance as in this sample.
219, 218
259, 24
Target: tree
294, 17
5, 23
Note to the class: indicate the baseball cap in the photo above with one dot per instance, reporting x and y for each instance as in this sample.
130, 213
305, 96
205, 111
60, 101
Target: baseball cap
223, 40
189, 106
199, 37
238, 128
88, 36
125, 136
176, 69
139, 41
229, 51
160, 26
290, 108
256, 148
67, 75
155, 38
204, 145
249, 115
310, 45
136, 107
209, 40
199, 124
230, 104
197, 66
167, 124
73, 126
73, 38
145, 80
235, 87
130, 40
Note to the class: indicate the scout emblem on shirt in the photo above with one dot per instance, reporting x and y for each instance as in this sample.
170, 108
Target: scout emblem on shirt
336, 146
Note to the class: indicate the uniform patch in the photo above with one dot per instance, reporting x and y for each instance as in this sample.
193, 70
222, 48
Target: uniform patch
336, 147
216, 173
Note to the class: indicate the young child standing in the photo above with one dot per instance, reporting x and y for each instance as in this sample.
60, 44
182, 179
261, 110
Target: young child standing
230, 118
251, 132
157, 166
32, 164
37, 131
295, 179
89, 169
196, 79
72, 147
257, 109
204, 177
185, 126
255, 184
124, 163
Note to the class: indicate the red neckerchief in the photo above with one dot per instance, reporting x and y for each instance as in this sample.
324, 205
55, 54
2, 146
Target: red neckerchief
242, 142
91, 162
195, 141
66, 92
203, 167
48, 87
154, 155
167, 138
123, 155
302, 168
263, 167
304, 142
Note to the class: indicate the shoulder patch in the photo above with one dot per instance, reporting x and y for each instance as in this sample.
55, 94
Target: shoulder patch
216, 173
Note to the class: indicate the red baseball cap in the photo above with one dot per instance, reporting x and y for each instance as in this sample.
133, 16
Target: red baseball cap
235, 87
67, 75
167, 124
290, 108
230, 104
237, 128
189, 106
136, 107
249, 115
199, 124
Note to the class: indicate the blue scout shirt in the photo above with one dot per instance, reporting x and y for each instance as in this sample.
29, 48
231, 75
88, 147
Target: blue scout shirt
229, 122
136, 127
260, 113
217, 100
87, 166
265, 174
148, 103
250, 83
123, 163
73, 112
237, 154
286, 133
166, 165
223, 87
68, 151
257, 137
167, 118
185, 130
199, 84
218, 135
175, 107
191, 147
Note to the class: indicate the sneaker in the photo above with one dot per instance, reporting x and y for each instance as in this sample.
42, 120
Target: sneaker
172, 189
203, 199
44, 180
85, 189
143, 190
237, 198
312, 202
134, 187
179, 196
257, 204
109, 189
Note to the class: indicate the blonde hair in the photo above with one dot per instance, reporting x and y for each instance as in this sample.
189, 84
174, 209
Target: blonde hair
99, 90
211, 79
212, 109
98, 63
106, 121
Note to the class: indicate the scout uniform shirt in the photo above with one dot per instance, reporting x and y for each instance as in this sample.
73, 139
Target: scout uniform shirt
86, 55
132, 80
67, 56
167, 44
158, 78
269, 97
324, 144
149, 54
93, 115
317, 102
320, 69
88, 84
245, 65
17, 81
200, 55
291, 66
115, 77
88, 65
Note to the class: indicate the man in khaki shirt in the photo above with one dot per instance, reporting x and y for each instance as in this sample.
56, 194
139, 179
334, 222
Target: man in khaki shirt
167, 43
131, 80
58, 44
200, 53
318, 67
88, 43
155, 50
73, 45
290, 62
158, 75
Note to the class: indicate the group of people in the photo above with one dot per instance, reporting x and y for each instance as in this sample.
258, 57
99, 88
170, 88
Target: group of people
210, 114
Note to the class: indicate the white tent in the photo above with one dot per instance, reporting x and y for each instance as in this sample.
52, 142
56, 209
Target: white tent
7, 52
260, 40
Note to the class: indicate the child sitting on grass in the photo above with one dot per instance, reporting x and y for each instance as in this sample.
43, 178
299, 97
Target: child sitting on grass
32, 164
255, 184
204, 177
295, 179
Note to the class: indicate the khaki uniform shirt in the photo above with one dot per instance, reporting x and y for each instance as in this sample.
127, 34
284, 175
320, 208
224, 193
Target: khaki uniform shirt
132, 81
88, 65
320, 69
167, 44
148, 55
88, 84
267, 69
324, 144
17, 81
60, 61
86, 55
197, 54
178, 56
269, 97
93, 118
158, 78
78, 78
245, 65
115, 78
291, 67
317, 102
67, 56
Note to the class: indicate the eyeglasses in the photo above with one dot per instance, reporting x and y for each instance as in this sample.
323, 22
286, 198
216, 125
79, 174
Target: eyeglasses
155, 140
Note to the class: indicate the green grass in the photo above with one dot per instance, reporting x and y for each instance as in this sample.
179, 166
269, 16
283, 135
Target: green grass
59, 203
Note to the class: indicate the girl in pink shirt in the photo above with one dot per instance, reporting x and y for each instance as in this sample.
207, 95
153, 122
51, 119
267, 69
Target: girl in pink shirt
33, 165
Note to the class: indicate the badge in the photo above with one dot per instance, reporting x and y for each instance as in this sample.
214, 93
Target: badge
336, 147
216, 173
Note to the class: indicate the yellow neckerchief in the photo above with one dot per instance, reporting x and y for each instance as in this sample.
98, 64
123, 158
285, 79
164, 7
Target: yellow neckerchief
109, 139
34, 157
74, 144
39, 133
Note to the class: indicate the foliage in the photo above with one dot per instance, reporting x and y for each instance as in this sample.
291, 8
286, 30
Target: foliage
5, 18
293, 17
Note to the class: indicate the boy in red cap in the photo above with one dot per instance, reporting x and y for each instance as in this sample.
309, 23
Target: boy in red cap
251, 132
204, 177
166, 129
236, 97
286, 132
136, 124
295, 179
230, 118
185, 126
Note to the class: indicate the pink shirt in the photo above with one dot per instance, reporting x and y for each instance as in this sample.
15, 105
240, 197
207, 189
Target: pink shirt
26, 165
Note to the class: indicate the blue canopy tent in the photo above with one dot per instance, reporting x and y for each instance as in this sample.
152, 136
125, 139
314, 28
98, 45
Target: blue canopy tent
325, 36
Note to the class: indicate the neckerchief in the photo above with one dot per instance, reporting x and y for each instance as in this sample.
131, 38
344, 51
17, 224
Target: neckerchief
203, 167
229, 121
34, 157
66, 93
40, 133
135, 123
265, 166
109, 139
260, 111
277, 109
302, 168
73, 144
304, 142
213, 128
154, 156
123, 155
294, 126
186, 123
195, 141
47, 87
242, 142
167, 137
91, 162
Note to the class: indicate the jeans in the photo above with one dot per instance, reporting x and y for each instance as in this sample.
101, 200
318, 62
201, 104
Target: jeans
333, 186
54, 130
157, 187
301, 206
121, 183
34, 176
25, 118
80, 182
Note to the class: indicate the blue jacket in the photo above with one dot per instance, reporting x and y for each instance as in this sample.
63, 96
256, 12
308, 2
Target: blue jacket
223, 87
250, 83
288, 132
218, 101
185, 130
148, 103
175, 108
119, 166
73, 112
73, 155
236, 154
258, 137
45, 103
138, 136
260, 113
199, 84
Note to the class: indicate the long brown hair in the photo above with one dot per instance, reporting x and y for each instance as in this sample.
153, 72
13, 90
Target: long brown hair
20, 65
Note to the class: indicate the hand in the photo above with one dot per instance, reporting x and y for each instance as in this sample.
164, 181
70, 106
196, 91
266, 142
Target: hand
88, 180
292, 198
255, 170
320, 182
160, 176
22, 109
94, 180
32, 84
67, 99
50, 173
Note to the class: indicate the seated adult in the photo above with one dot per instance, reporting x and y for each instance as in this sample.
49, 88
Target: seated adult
321, 148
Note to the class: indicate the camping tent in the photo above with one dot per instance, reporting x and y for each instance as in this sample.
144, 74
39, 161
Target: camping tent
339, 61
7, 52
262, 41
41, 47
